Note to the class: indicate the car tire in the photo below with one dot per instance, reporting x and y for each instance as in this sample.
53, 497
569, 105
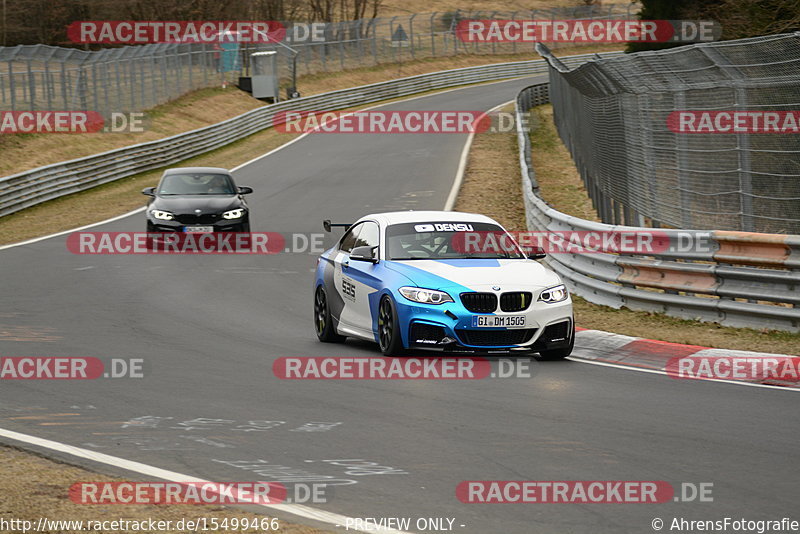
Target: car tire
323, 321
559, 354
389, 338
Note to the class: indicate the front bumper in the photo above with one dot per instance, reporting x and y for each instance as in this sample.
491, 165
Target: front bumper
222, 225
448, 327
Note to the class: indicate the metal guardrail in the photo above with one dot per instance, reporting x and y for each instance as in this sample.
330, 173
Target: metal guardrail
26, 189
742, 279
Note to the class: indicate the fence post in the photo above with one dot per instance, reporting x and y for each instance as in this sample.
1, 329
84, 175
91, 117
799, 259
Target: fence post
411, 35
513, 41
11, 86
31, 86
433, 34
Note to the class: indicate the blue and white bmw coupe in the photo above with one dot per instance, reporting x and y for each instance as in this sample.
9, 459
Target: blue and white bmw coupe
407, 281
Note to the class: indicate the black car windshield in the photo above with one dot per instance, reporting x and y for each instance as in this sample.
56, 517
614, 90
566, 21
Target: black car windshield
196, 184
449, 240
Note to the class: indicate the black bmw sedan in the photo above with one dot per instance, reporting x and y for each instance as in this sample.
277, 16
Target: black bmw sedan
199, 200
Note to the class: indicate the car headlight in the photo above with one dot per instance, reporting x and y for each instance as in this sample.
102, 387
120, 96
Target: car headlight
554, 294
163, 215
425, 296
234, 214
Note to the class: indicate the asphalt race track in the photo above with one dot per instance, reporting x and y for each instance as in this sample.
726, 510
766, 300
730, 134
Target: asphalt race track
209, 328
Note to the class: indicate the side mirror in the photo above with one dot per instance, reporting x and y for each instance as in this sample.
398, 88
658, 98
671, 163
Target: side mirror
534, 253
326, 224
244, 190
149, 191
364, 254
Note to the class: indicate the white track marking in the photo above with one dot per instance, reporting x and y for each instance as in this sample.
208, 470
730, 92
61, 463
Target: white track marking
462, 165
578, 359
35, 239
147, 470
246, 163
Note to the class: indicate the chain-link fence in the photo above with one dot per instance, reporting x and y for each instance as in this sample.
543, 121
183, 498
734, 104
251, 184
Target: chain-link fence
133, 78
617, 116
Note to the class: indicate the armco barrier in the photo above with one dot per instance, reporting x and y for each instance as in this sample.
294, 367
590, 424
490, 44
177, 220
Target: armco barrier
29, 188
742, 279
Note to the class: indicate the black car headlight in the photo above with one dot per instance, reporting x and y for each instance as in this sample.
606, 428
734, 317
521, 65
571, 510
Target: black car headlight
554, 294
425, 296
162, 215
238, 213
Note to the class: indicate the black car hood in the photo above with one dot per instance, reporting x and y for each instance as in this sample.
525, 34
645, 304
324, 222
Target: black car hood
189, 203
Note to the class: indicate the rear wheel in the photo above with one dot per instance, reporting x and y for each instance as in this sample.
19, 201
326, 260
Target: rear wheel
323, 323
389, 337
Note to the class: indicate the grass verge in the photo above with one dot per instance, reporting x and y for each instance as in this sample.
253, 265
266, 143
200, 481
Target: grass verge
491, 186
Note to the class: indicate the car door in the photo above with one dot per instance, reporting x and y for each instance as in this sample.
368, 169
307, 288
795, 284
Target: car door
357, 280
345, 286
366, 277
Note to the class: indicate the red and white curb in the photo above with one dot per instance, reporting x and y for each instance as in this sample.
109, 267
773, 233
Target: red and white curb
662, 356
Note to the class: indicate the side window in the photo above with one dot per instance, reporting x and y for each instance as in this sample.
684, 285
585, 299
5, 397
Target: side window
349, 239
368, 236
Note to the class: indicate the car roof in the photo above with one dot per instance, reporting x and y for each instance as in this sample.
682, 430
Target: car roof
197, 170
399, 217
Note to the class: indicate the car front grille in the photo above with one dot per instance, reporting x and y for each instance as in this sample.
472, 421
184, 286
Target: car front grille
479, 302
496, 338
204, 218
515, 301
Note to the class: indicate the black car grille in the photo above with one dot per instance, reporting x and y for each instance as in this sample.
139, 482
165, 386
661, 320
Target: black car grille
204, 218
426, 334
484, 338
479, 302
515, 301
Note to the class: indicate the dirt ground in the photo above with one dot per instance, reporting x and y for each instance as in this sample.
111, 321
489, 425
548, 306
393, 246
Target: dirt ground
33, 487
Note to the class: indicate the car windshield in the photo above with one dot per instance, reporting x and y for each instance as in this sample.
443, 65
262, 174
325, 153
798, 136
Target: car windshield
196, 184
449, 240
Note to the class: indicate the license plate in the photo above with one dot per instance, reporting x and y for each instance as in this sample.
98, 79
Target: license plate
494, 321
198, 229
